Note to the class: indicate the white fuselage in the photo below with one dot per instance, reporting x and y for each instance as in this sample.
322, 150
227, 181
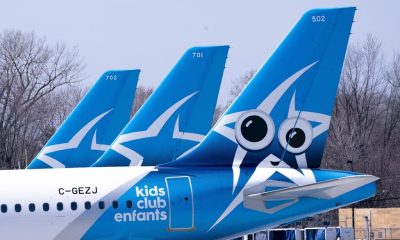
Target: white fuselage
27, 187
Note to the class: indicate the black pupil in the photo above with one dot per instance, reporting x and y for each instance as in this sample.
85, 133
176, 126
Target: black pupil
254, 129
297, 137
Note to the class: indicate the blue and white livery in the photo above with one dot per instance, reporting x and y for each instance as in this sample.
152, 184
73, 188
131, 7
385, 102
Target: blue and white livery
176, 117
251, 172
94, 123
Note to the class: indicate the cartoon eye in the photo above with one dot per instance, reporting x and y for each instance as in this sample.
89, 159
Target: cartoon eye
295, 134
254, 130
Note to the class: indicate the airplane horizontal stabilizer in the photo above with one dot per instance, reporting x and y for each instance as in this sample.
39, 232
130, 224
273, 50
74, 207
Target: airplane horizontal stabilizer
273, 201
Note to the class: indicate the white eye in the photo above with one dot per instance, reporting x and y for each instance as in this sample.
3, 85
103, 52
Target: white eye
299, 131
254, 130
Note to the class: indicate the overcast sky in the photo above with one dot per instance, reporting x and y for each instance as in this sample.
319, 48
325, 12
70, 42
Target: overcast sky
152, 35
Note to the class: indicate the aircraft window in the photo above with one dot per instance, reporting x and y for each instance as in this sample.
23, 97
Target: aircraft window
60, 206
46, 207
101, 204
3, 208
74, 206
129, 204
31, 207
115, 204
88, 205
18, 207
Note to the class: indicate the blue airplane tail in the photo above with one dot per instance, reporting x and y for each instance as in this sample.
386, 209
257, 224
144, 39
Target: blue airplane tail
284, 112
92, 125
176, 116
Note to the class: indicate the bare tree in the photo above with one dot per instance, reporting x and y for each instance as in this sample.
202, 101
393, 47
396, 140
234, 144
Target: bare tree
238, 85
392, 111
359, 101
43, 119
366, 119
141, 95
30, 70
219, 110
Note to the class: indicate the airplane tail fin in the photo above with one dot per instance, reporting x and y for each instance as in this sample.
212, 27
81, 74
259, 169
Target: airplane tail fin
94, 123
176, 116
284, 111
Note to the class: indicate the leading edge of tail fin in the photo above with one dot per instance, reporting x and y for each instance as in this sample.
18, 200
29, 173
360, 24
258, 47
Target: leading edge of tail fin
176, 116
94, 123
284, 112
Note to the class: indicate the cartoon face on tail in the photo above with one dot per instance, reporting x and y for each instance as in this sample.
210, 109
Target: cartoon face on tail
284, 111
280, 120
282, 116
